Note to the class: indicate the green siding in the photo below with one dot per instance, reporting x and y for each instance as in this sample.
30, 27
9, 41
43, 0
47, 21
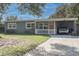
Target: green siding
20, 27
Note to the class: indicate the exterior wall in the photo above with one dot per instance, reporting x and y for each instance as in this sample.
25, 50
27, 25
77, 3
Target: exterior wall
52, 27
29, 31
20, 28
8, 30
51, 24
5, 26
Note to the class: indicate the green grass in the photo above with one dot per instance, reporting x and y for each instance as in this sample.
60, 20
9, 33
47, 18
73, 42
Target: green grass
16, 50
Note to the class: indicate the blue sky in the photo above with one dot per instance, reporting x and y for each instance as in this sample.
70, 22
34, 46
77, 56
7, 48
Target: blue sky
48, 10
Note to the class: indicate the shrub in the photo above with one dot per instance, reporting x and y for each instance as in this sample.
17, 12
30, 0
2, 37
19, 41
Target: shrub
0, 36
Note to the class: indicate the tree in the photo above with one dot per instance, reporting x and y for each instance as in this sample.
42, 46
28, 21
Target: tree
36, 9
3, 8
60, 12
64, 11
75, 9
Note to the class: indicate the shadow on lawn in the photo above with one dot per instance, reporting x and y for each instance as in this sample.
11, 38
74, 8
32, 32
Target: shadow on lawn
24, 34
56, 50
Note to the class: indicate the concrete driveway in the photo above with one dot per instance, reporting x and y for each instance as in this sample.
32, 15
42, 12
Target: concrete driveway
59, 45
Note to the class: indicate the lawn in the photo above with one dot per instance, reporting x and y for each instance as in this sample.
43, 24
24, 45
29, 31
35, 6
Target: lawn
17, 44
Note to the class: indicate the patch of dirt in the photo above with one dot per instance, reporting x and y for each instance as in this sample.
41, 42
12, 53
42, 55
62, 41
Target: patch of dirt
6, 42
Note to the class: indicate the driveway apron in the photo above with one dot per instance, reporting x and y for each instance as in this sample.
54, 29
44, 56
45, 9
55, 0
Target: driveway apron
57, 45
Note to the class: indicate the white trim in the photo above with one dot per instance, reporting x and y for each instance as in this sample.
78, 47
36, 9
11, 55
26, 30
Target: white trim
43, 31
48, 29
57, 19
30, 25
75, 27
54, 27
43, 25
27, 27
53, 19
63, 19
11, 24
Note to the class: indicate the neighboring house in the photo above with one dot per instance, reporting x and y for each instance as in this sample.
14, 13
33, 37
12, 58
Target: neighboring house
41, 26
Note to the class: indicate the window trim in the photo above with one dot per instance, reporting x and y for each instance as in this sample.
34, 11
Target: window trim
11, 24
43, 25
30, 25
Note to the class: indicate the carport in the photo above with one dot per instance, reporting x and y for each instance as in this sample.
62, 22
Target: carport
69, 23
65, 24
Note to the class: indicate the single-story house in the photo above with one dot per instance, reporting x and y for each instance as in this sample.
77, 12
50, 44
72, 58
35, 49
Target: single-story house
41, 26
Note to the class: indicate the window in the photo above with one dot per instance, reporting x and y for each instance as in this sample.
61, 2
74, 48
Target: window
45, 26
42, 26
11, 25
33, 25
30, 25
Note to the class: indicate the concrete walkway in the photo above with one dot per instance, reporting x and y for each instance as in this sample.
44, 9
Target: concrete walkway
59, 45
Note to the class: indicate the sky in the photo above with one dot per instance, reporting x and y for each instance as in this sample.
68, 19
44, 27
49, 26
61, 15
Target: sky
47, 11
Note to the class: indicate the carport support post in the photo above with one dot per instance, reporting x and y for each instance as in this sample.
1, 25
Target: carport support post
75, 27
54, 28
